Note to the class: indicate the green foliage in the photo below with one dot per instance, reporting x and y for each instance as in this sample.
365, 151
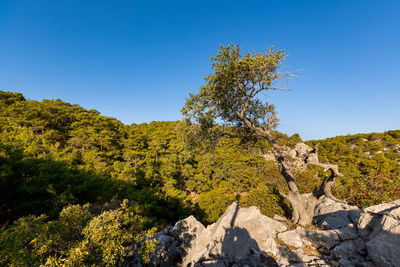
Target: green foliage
56, 157
214, 202
234, 86
370, 164
76, 238
267, 199
369, 189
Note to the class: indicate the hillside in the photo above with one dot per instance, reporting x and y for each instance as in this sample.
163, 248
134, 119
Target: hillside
56, 157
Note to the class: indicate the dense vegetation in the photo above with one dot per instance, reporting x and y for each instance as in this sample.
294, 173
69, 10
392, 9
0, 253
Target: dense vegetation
56, 157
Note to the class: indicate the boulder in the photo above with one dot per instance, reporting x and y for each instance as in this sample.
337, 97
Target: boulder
379, 226
330, 214
240, 235
321, 238
348, 232
245, 237
292, 239
187, 230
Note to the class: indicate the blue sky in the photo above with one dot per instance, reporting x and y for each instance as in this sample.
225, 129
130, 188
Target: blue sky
137, 61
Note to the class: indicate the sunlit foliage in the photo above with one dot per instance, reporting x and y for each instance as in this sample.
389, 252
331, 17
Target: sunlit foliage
56, 157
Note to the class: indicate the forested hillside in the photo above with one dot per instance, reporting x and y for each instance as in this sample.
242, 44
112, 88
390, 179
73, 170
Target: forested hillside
57, 157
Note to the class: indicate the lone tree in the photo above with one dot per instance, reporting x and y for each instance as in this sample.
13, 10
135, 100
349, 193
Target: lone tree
233, 103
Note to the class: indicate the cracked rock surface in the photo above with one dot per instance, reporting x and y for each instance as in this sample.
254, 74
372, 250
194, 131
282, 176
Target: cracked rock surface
346, 236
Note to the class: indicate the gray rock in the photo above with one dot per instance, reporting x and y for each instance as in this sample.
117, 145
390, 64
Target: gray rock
360, 245
384, 248
279, 218
346, 249
347, 232
164, 239
333, 215
287, 256
237, 235
366, 224
379, 226
245, 237
291, 238
321, 238
187, 230
391, 209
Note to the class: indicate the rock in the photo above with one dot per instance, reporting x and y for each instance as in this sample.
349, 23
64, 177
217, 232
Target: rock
270, 246
291, 238
366, 224
360, 245
238, 235
187, 230
287, 256
347, 232
384, 248
245, 237
379, 226
279, 218
321, 238
333, 215
391, 209
346, 249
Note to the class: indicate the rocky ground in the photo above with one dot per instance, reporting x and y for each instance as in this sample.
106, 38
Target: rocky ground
344, 236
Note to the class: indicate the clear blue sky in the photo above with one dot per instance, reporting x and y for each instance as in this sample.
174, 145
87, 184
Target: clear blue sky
137, 61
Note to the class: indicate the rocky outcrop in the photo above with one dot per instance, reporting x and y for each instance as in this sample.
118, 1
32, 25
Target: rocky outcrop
379, 226
345, 236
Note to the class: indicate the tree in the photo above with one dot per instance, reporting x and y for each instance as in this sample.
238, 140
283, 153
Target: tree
233, 103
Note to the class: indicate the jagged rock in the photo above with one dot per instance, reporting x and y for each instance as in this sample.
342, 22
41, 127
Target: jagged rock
287, 256
321, 238
347, 250
238, 235
379, 226
366, 224
361, 246
292, 238
390, 209
279, 218
245, 237
187, 230
347, 232
333, 215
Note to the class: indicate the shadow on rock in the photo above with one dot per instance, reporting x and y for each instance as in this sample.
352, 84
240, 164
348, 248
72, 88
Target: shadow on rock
237, 248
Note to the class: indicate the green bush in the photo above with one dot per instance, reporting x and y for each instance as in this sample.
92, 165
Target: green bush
368, 189
268, 200
76, 238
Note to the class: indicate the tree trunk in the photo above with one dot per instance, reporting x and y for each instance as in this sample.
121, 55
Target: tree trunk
300, 157
303, 207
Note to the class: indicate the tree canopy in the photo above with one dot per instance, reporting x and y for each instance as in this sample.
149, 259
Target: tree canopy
55, 157
234, 94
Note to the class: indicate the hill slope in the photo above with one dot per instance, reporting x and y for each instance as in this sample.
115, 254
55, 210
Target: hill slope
54, 156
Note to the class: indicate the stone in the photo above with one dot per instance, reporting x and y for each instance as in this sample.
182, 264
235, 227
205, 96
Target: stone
347, 232
279, 218
333, 215
391, 209
164, 239
346, 249
379, 226
287, 256
321, 238
366, 224
237, 235
245, 237
187, 230
384, 248
360, 245
269, 245
291, 238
